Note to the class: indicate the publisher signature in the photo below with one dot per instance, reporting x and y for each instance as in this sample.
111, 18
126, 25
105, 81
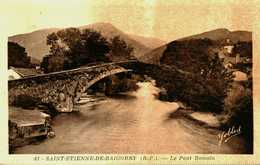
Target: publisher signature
225, 136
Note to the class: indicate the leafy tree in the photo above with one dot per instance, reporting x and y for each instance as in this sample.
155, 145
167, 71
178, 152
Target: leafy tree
70, 48
202, 81
189, 55
69, 37
53, 63
243, 48
91, 47
17, 56
120, 50
45, 63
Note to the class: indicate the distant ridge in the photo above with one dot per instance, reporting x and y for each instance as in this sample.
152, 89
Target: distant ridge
150, 42
36, 47
222, 34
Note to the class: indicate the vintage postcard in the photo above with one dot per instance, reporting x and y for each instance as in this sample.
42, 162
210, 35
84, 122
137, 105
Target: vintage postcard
129, 82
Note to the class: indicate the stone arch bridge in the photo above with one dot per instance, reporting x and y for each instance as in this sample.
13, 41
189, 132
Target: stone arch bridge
62, 89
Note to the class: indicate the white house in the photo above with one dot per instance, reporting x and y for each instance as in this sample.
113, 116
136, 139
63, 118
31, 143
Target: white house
240, 76
16, 73
12, 74
229, 48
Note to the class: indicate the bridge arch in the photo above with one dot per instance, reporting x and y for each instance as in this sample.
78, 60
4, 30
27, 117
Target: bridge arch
82, 88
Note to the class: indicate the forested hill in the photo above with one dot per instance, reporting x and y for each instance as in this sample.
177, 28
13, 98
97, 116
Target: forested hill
218, 36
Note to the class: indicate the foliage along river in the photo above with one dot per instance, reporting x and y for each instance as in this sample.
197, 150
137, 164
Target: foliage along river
134, 123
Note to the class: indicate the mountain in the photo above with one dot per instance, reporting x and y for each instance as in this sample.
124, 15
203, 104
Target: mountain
35, 61
219, 35
150, 42
110, 31
34, 42
36, 47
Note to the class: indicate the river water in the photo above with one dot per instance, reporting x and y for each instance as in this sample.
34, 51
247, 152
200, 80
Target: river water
135, 122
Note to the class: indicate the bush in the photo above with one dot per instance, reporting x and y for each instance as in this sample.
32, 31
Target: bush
243, 48
17, 56
241, 114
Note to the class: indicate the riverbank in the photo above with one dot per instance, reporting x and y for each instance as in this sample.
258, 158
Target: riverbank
27, 126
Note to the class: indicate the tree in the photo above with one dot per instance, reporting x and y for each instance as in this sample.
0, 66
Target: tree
17, 56
243, 48
119, 49
71, 48
206, 81
215, 83
53, 63
45, 64
90, 47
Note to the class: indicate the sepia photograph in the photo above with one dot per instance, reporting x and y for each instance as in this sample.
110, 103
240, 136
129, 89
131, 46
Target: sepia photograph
130, 77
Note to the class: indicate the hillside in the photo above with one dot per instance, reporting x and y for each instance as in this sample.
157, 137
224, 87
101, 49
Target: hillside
222, 34
150, 42
35, 61
154, 56
218, 35
110, 31
35, 42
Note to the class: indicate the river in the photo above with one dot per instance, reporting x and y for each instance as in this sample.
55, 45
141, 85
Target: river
134, 122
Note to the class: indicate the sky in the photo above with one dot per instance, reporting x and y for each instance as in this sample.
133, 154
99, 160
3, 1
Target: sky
163, 19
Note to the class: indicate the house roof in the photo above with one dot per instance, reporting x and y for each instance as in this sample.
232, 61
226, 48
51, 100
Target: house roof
25, 72
12, 74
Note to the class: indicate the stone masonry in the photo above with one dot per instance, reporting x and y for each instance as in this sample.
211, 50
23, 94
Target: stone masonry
59, 89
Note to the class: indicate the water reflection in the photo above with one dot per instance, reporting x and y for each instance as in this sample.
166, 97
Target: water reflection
131, 123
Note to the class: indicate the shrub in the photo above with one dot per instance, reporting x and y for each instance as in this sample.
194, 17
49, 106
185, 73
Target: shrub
241, 114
